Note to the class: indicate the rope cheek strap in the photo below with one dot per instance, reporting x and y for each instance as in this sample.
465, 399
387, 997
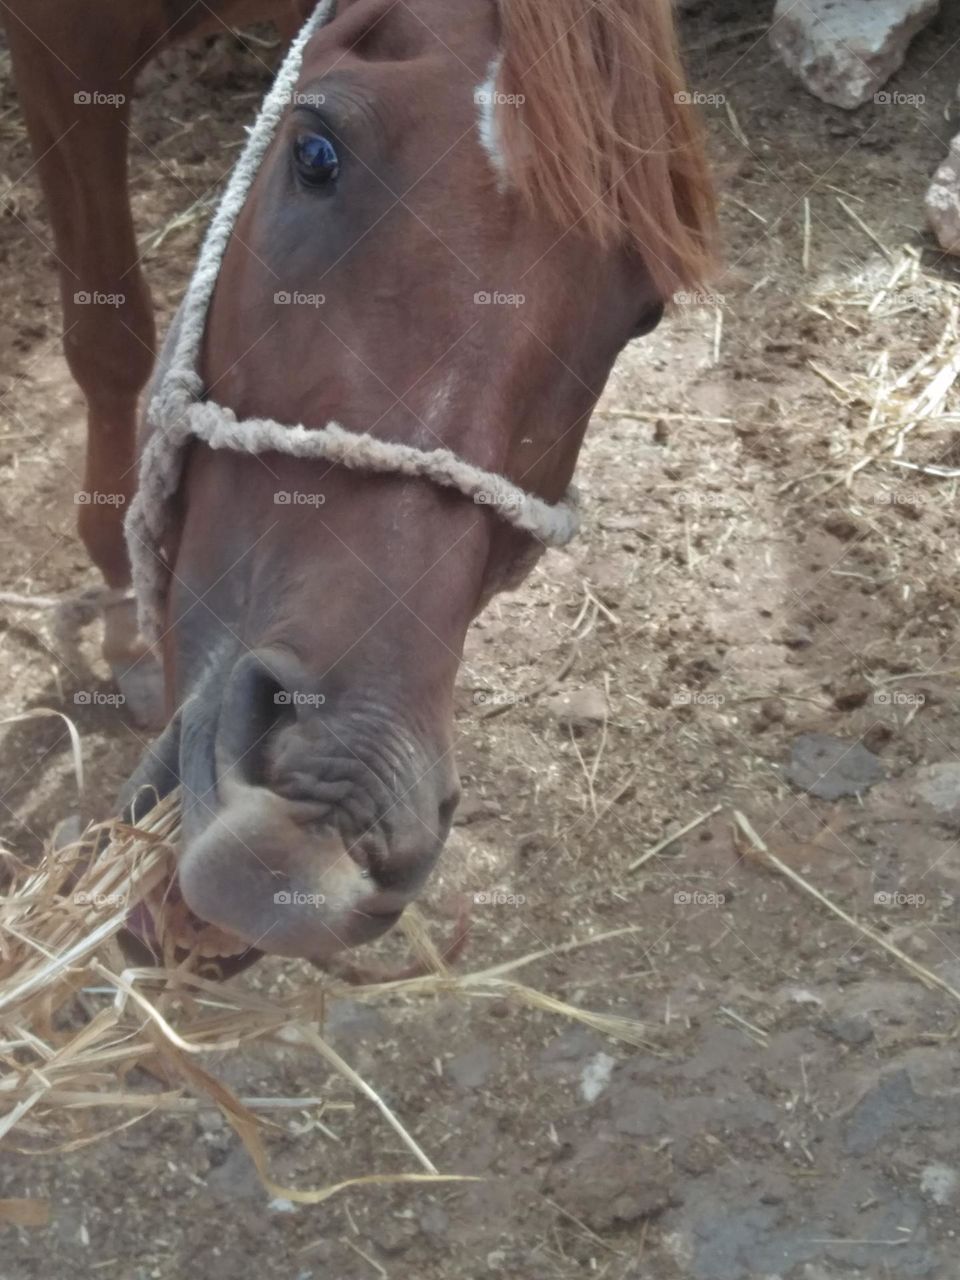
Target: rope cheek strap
177, 413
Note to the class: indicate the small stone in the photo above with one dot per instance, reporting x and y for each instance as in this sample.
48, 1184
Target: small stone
852, 1030
797, 636
843, 53
943, 201
877, 737
596, 1076
391, 1237
773, 710
938, 785
842, 526
211, 1122
828, 767
800, 995
940, 1183
579, 708
853, 696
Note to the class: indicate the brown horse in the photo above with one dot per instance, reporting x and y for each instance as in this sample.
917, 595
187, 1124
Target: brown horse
466, 213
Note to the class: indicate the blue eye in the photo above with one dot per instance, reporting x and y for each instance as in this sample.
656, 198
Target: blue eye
316, 159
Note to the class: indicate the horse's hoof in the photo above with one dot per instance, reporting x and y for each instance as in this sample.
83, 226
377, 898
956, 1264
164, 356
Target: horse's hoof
140, 684
136, 670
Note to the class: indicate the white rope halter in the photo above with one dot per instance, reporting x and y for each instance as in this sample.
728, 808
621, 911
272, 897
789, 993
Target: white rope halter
178, 413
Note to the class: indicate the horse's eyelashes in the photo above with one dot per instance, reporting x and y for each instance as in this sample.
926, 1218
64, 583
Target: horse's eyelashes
316, 159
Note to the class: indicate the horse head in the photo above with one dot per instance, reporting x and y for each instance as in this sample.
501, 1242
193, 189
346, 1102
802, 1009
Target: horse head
463, 215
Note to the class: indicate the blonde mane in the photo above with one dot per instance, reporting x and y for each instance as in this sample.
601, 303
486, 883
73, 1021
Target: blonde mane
605, 138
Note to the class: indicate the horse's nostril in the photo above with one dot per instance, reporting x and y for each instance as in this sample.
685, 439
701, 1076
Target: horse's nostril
264, 691
384, 871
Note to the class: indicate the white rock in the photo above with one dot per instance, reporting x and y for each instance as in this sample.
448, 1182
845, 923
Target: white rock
281, 1205
844, 50
596, 1076
939, 1182
943, 201
938, 785
800, 995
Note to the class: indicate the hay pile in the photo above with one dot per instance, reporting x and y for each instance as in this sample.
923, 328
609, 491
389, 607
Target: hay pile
899, 411
75, 1022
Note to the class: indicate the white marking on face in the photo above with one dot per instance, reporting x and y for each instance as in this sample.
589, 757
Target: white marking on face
438, 406
485, 97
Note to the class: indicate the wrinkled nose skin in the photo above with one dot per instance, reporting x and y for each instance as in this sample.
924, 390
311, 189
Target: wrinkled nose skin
309, 819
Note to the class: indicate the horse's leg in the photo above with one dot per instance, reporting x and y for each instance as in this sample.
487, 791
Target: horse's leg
75, 88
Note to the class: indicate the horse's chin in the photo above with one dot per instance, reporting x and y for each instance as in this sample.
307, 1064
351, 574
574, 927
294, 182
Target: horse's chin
188, 940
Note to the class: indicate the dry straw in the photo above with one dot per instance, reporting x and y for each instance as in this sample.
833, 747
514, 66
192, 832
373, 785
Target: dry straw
899, 407
75, 1021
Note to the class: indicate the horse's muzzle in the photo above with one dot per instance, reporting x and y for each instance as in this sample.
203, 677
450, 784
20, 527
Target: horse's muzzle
306, 831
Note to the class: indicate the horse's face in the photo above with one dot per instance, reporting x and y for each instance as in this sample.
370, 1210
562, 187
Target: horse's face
385, 274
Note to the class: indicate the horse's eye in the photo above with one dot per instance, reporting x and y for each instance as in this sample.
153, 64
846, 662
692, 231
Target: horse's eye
316, 159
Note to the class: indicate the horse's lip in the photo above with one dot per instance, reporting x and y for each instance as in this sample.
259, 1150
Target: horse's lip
388, 914
383, 904
139, 942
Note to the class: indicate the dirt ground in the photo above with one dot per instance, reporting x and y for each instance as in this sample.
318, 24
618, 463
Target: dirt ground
796, 1110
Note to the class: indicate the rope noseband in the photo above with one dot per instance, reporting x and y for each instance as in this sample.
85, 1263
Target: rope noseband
178, 413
